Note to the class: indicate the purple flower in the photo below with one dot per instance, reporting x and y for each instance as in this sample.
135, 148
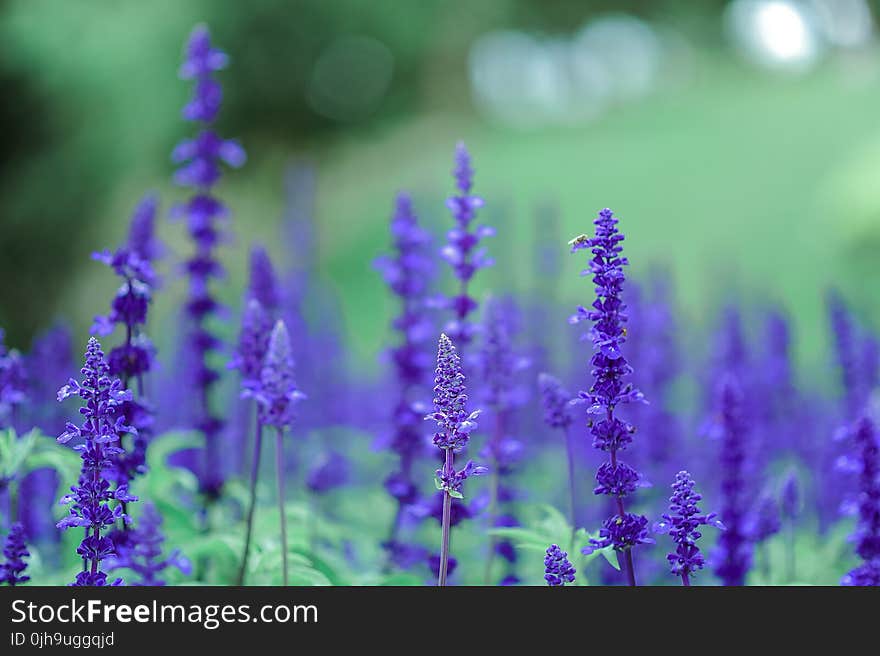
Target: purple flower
733, 554
557, 568
253, 342
277, 394
142, 553
407, 273
462, 250
331, 472
855, 372
263, 283
200, 160
557, 402
13, 382
142, 238
867, 534
765, 521
790, 496
683, 523
454, 422
14, 553
610, 388
90, 500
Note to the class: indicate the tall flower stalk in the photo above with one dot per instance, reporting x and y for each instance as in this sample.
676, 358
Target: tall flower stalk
407, 274
13, 383
682, 523
276, 397
611, 434
199, 161
90, 499
867, 535
502, 394
454, 425
462, 249
733, 554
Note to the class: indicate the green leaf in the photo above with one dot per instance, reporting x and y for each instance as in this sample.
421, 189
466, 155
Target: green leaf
455, 495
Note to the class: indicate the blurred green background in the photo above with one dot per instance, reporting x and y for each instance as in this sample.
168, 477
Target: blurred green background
739, 142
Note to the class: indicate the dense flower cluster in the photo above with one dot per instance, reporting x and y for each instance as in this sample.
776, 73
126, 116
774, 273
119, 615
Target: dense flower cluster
90, 499
557, 568
14, 553
733, 555
462, 249
277, 393
407, 273
199, 161
867, 534
682, 523
262, 281
253, 342
454, 422
610, 389
556, 401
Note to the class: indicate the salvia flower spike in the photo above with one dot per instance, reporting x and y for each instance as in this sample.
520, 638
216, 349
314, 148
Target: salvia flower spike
13, 382
454, 426
14, 554
682, 523
407, 273
558, 570
200, 159
733, 554
462, 250
611, 434
867, 534
276, 397
557, 414
91, 498
144, 557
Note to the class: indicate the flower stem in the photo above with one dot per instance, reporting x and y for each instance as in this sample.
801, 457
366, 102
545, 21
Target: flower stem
279, 474
494, 482
685, 580
447, 520
569, 450
255, 472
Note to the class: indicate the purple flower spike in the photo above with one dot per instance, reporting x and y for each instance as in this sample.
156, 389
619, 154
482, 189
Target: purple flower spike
733, 554
263, 283
610, 387
14, 553
277, 394
201, 161
142, 240
454, 424
867, 534
557, 402
557, 569
93, 502
143, 554
462, 250
683, 523
13, 382
408, 274
253, 342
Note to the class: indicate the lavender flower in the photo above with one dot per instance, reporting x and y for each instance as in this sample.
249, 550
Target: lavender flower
253, 342
276, 397
142, 238
454, 424
14, 552
623, 530
263, 283
144, 556
89, 501
407, 273
867, 534
461, 250
733, 555
766, 521
13, 382
557, 414
557, 568
854, 374
330, 472
500, 366
683, 523
790, 496
200, 162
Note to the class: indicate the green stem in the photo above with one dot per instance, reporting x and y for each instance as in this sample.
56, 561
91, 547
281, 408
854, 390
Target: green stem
255, 472
279, 475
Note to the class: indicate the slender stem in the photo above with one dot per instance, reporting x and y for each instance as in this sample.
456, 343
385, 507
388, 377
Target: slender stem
447, 520
627, 554
569, 450
685, 580
279, 474
255, 473
791, 550
12, 491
